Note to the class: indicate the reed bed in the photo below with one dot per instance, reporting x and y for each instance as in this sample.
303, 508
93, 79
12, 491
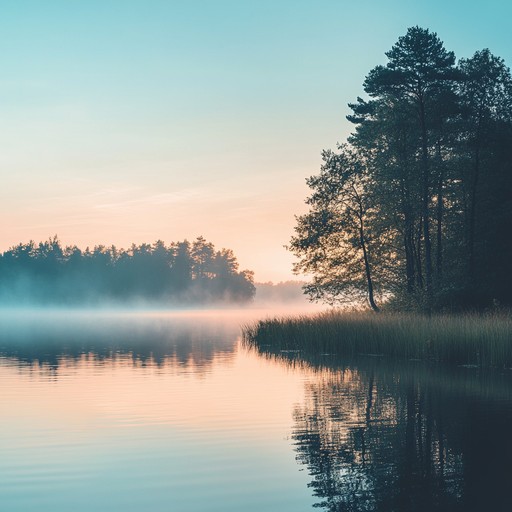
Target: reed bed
468, 339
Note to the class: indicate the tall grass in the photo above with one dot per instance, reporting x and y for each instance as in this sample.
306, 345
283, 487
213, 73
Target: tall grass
470, 339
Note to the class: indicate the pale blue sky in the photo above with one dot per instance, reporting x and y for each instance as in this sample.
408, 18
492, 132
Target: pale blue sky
134, 120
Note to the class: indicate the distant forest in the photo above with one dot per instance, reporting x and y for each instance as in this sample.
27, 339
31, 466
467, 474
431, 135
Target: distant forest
415, 209
180, 273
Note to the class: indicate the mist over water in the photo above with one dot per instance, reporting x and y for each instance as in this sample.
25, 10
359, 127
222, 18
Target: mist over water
125, 410
155, 410
47, 337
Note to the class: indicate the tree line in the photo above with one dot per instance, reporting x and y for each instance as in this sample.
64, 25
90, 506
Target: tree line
181, 272
415, 208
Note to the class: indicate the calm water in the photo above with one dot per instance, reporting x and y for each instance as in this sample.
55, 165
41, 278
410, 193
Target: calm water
169, 412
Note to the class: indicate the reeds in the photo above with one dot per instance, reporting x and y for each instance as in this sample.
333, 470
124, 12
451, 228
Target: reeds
468, 339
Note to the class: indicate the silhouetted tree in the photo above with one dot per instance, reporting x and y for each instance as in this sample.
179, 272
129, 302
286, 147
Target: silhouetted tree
433, 144
334, 240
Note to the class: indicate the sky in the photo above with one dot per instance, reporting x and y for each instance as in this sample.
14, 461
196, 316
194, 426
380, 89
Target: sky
136, 120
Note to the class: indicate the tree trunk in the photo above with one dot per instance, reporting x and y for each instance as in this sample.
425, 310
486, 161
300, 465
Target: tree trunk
472, 213
419, 265
367, 268
439, 219
408, 237
409, 259
425, 206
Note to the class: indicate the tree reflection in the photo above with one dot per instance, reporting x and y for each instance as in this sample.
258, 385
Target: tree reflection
378, 436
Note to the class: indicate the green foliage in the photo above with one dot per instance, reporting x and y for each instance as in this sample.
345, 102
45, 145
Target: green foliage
181, 272
334, 237
416, 209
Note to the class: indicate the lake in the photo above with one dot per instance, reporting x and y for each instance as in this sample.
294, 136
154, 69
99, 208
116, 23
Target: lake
159, 411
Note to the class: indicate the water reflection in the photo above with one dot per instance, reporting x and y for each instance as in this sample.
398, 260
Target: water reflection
123, 403
404, 437
145, 412
46, 342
